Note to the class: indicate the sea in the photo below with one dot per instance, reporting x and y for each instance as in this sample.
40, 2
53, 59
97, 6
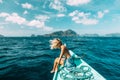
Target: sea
30, 58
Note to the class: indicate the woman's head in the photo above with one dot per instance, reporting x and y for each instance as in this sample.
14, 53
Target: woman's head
55, 43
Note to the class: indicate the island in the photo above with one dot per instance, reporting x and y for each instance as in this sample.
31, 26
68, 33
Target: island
113, 35
1, 35
67, 33
90, 35
71, 33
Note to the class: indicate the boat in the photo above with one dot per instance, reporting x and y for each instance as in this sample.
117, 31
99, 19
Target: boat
82, 71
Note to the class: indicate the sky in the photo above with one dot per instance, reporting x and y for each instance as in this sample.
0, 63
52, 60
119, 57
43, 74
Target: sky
26, 17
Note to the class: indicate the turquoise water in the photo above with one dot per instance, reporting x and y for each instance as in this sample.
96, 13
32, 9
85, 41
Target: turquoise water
28, 58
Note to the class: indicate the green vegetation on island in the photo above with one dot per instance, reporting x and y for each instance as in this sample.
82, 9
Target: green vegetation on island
67, 33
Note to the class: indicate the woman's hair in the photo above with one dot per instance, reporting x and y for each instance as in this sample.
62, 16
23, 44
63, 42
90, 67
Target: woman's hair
55, 43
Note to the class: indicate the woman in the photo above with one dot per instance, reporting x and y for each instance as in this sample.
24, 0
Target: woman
64, 55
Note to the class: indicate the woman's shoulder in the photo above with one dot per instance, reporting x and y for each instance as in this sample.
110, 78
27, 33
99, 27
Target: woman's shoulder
63, 47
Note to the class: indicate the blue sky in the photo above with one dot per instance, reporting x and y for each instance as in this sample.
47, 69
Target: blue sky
26, 17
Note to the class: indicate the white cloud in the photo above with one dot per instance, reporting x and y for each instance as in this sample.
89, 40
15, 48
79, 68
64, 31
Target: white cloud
3, 14
75, 18
57, 5
36, 23
1, 1
39, 24
42, 17
15, 18
74, 13
25, 12
60, 15
77, 2
27, 6
87, 21
82, 18
1, 27
79, 14
106, 11
102, 13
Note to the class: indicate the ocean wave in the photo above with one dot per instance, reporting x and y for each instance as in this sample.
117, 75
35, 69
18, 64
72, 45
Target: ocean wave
32, 59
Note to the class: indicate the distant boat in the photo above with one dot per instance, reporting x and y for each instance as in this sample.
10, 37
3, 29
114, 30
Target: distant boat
82, 71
